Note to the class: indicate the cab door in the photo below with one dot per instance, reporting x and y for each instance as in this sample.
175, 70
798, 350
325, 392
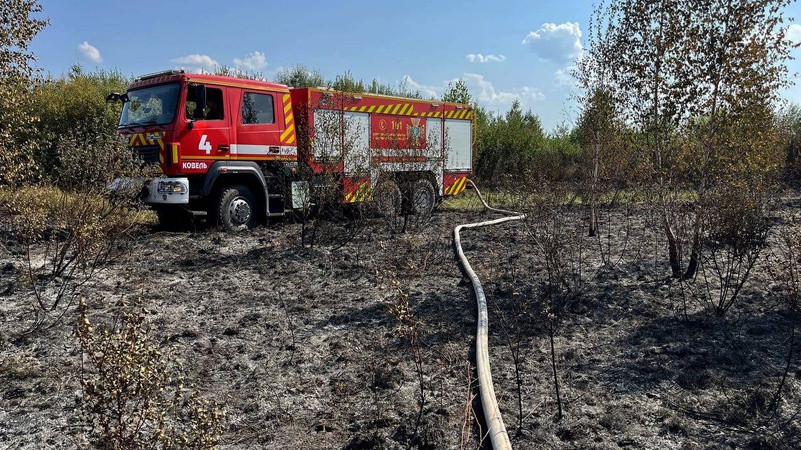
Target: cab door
210, 136
260, 123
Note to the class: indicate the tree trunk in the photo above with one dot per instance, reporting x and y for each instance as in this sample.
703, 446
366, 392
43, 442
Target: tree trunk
673, 247
695, 253
555, 377
596, 156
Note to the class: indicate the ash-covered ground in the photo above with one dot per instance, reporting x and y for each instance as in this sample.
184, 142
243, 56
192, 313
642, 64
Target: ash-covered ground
328, 347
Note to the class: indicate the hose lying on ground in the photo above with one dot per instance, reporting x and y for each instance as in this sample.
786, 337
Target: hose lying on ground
492, 415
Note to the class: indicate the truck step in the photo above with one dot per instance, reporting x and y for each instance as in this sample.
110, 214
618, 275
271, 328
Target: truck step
276, 205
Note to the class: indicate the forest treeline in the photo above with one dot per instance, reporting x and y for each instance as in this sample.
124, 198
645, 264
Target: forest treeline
69, 132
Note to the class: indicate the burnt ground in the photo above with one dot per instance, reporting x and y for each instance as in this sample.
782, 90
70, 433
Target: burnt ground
299, 346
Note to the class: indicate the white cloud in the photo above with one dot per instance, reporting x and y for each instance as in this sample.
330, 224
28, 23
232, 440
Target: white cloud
90, 52
794, 33
559, 43
478, 57
482, 91
254, 62
529, 93
564, 77
488, 95
425, 91
196, 63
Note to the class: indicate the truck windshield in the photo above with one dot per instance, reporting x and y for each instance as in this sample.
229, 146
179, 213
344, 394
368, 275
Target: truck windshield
153, 105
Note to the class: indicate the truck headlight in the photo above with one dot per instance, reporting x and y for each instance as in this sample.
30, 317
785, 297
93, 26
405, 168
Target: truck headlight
172, 187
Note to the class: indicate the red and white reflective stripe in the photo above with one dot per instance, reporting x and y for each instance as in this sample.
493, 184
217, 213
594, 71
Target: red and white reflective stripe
263, 150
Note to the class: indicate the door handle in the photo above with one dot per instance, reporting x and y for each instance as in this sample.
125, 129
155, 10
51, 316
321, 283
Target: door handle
222, 148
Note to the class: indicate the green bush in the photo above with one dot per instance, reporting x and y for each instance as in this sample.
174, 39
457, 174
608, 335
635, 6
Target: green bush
75, 123
134, 395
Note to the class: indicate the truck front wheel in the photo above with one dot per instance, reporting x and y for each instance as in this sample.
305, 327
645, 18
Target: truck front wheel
236, 208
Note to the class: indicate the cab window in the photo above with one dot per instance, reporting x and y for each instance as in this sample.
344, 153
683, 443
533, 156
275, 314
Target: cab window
214, 109
257, 109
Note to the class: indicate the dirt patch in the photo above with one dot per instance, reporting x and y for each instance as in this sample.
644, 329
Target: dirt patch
300, 349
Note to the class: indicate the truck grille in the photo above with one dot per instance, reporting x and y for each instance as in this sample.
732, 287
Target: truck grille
147, 153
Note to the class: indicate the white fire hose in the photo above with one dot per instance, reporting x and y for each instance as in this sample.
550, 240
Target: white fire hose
492, 415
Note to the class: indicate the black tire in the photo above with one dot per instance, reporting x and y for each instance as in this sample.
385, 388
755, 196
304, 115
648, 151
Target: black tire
235, 208
422, 198
387, 203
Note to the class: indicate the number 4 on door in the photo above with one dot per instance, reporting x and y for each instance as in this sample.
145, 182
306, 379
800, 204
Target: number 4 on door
204, 145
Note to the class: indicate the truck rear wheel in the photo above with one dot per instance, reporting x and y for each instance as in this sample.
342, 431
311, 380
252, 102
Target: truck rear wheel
423, 198
236, 208
388, 202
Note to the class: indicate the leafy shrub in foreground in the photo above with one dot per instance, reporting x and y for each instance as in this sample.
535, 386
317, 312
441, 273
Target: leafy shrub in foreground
132, 396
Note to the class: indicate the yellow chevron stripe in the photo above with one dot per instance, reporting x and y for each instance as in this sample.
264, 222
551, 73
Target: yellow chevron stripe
174, 153
288, 131
285, 98
355, 194
287, 108
371, 109
363, 108
289, 119
395, 110
364, 191
291, 139
380, 108
461, 184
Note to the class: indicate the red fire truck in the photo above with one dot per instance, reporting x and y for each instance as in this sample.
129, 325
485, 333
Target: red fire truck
234, 149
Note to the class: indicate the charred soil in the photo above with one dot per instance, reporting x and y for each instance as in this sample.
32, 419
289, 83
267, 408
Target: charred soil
311, 348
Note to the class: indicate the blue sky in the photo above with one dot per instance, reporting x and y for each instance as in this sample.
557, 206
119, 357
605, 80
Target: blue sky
504, 50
